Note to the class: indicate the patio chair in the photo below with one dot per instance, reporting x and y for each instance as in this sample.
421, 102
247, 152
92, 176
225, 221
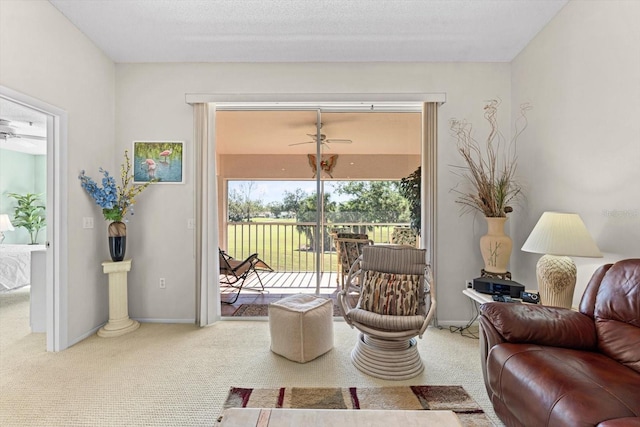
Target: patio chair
396, 304
348, 248
234, 273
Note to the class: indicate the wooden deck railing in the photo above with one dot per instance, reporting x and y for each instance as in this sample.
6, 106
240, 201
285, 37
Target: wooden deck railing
287, 246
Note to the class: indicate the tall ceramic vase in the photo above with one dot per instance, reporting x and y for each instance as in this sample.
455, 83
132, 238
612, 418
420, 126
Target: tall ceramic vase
117, 240
495, 246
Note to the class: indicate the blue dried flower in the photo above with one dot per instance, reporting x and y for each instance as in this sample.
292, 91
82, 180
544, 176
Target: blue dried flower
115, 201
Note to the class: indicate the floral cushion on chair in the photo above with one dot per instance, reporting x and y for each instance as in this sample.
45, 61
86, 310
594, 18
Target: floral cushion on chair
349, 251
404, 236
392, 294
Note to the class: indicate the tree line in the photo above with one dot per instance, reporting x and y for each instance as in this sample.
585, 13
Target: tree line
366, 201
362, 202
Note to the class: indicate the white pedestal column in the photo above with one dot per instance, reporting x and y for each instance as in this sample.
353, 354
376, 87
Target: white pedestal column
119, 322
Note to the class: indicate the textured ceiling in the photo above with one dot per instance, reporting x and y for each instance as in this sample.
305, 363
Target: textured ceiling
310, 30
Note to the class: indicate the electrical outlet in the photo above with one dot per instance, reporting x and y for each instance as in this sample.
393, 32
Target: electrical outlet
87, 222
469, 283
163, 283
191, 223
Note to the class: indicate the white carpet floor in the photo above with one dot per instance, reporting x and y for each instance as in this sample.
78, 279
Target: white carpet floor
179, 375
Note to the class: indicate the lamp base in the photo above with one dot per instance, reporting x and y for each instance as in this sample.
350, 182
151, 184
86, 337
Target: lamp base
556, 280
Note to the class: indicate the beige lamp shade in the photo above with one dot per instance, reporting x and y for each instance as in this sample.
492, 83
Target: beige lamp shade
5, 223
559, 236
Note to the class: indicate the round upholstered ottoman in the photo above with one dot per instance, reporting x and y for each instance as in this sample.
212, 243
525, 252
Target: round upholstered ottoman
301, 327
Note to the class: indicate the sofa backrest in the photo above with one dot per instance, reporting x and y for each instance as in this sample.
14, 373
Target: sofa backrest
612, 299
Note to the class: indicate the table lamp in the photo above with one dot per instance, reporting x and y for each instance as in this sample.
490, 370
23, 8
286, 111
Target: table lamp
559, 236
5, 225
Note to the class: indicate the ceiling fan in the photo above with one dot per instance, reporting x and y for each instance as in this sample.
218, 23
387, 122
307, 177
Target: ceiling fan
323, 140
7, 131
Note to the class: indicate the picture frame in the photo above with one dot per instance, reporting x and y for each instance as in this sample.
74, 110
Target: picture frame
159, 160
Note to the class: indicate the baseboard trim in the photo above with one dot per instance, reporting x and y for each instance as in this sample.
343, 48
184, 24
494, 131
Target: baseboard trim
85, 335
154, 320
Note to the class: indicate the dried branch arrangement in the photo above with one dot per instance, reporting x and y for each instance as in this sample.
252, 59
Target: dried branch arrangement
490, 168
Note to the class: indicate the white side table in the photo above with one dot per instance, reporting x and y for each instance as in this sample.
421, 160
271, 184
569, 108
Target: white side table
119, 322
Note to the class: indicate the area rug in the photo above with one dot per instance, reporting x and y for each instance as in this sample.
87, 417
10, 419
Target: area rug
257, 310
444, 398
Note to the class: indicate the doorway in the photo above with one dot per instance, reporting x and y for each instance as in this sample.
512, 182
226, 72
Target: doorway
208, 183
52, 319
358, 153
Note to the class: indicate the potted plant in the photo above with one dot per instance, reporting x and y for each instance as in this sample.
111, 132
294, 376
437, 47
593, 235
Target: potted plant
489, 177
29, 214
409, 188
116, 201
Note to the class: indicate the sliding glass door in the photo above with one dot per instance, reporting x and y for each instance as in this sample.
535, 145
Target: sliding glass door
290, 179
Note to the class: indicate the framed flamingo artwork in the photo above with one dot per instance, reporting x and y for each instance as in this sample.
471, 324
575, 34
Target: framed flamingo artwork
159, 160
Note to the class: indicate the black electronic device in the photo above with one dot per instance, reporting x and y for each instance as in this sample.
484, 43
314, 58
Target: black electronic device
504, 298
493, 286
530, 297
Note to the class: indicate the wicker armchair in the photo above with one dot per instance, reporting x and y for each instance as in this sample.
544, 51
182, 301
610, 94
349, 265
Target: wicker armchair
396, 304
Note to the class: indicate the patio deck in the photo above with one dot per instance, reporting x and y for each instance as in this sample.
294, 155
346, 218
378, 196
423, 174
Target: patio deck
277, 286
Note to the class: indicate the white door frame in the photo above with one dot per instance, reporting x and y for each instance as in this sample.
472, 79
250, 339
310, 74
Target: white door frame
329, 102
56, 214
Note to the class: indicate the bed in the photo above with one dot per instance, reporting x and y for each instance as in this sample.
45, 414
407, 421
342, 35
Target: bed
15, 265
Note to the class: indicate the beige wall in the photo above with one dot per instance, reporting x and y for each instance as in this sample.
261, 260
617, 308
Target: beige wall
43, 56
150, 104
581, 152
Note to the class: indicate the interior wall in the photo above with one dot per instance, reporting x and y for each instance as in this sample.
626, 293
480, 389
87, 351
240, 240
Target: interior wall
17, 175
150, 104
40, 175
582, 148
44, 56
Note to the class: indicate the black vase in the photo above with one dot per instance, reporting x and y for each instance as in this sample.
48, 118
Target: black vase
117, 247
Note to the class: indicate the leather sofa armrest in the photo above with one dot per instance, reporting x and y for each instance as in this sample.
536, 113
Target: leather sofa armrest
537, 324
489, 337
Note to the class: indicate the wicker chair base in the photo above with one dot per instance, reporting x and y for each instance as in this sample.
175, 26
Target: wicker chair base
389, 360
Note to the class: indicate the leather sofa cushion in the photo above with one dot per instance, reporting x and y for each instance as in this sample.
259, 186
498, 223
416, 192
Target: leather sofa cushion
561, 387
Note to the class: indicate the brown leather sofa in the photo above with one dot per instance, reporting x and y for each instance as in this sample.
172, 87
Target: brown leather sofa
551, 366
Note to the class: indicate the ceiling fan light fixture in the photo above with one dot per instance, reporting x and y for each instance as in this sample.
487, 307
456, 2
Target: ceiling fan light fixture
5, 129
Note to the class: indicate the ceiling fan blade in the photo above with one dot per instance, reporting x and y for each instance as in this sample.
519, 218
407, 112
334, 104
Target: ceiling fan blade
339, 141
300, 143
25, 136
